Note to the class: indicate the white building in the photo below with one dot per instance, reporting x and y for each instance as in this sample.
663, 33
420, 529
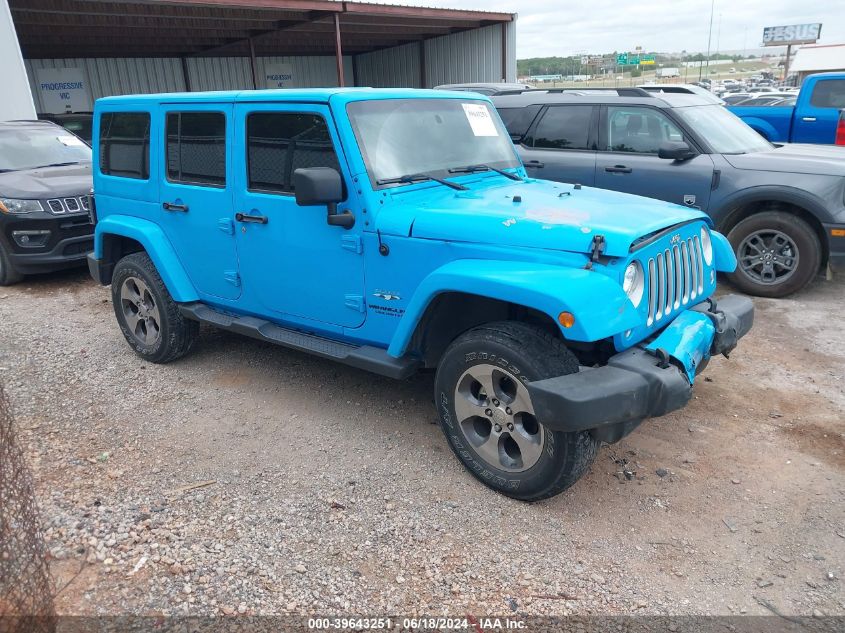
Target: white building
815, 58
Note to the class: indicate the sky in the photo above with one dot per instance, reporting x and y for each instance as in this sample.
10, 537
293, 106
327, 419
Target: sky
555, 27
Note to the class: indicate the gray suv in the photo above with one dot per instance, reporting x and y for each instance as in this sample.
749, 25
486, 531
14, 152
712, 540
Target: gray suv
782, 207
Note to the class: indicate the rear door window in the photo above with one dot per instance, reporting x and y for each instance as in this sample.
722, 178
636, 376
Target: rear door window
196, 148
125, 144
563, 127
829, 93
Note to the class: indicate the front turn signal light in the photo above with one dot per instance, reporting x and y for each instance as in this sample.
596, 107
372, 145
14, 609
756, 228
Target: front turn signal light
566, 319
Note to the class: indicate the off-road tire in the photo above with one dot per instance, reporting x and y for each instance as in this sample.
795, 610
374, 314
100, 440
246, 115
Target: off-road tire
176, 333
527, 353
798, 231
8, 275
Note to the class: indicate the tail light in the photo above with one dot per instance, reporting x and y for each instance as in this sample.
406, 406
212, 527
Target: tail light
840, 129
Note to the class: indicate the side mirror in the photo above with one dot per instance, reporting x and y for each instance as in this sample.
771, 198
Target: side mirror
675, 150
322, 185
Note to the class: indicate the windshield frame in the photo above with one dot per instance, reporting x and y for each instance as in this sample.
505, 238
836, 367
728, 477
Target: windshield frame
707, 139
443, 172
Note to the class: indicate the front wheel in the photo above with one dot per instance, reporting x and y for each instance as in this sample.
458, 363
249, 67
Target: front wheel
148, 317
777, 254
488, 418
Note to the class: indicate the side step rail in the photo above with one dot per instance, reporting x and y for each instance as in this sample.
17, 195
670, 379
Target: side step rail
365, 357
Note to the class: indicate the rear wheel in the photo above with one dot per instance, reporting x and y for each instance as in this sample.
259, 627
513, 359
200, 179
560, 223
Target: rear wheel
777, 254
488, 418
8, 274
148, 317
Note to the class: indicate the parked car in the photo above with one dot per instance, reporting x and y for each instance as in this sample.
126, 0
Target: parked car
733, 99
77, 122
484, 88
704, 93
783, 208
395, 230
45, 182
762, 100
816, 118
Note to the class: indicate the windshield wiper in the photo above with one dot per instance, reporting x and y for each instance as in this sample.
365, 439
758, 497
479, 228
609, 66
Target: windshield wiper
73, 162
470, 169
409, 178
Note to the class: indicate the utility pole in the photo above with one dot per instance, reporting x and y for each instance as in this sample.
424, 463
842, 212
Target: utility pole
709, 39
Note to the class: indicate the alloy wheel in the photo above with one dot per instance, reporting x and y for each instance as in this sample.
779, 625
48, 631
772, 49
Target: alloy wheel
768, 256
495, 415
140, 311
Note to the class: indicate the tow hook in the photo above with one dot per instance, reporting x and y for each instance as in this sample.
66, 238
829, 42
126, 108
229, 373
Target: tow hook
662, 358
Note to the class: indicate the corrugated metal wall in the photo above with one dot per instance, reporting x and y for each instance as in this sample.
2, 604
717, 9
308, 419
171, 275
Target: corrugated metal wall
391, 67
468, 56
117, 76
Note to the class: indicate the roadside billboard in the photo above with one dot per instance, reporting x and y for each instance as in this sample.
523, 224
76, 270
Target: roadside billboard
792, 34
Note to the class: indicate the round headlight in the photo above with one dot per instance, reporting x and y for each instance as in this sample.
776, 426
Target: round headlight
706, 246
633, 283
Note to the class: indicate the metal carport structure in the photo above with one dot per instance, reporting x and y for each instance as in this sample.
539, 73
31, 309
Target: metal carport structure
163, 45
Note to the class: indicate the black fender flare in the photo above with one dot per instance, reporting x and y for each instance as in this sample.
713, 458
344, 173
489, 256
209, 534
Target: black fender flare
726, 216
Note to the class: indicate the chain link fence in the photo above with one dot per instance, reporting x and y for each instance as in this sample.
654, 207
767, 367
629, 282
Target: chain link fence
26, 598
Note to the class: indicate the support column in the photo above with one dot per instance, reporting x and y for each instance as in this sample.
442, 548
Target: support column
338, 51
786, 63
252, 64
186, 75
423, 70
504, 52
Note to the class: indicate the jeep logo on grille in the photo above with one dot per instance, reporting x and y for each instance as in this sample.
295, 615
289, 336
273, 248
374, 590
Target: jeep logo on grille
676, 239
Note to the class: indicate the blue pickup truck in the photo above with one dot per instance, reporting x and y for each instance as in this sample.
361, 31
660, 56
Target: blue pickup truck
817, 117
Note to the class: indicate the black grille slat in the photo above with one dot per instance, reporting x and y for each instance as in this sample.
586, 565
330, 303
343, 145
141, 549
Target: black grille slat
56, 206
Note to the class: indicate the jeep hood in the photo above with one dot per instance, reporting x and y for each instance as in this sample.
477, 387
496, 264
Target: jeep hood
531, 214
794, 158
47, 182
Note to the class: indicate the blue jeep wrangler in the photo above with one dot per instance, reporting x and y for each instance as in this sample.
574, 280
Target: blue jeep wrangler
397, 231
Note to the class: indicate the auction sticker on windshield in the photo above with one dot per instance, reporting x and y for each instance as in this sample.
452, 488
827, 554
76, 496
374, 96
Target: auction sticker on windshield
479, 119
70, 141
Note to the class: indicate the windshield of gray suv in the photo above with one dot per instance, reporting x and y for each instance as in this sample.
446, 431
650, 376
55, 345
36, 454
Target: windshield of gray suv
40, 146
722, 130
400, 138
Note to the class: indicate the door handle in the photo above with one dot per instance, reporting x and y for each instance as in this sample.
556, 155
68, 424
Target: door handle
808, 119
618, 169
536, 164
170, 206
246, 217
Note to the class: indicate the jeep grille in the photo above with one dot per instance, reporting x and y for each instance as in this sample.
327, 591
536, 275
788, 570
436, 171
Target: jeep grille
675, 278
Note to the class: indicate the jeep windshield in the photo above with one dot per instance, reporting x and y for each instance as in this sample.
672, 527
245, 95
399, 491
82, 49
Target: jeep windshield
725, 132
45, 145
438, 138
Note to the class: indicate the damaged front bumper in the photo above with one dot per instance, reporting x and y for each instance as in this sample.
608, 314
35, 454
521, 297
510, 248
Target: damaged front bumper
645, 381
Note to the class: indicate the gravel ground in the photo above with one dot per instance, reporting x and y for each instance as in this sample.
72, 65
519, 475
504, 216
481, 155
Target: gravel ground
246, 478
